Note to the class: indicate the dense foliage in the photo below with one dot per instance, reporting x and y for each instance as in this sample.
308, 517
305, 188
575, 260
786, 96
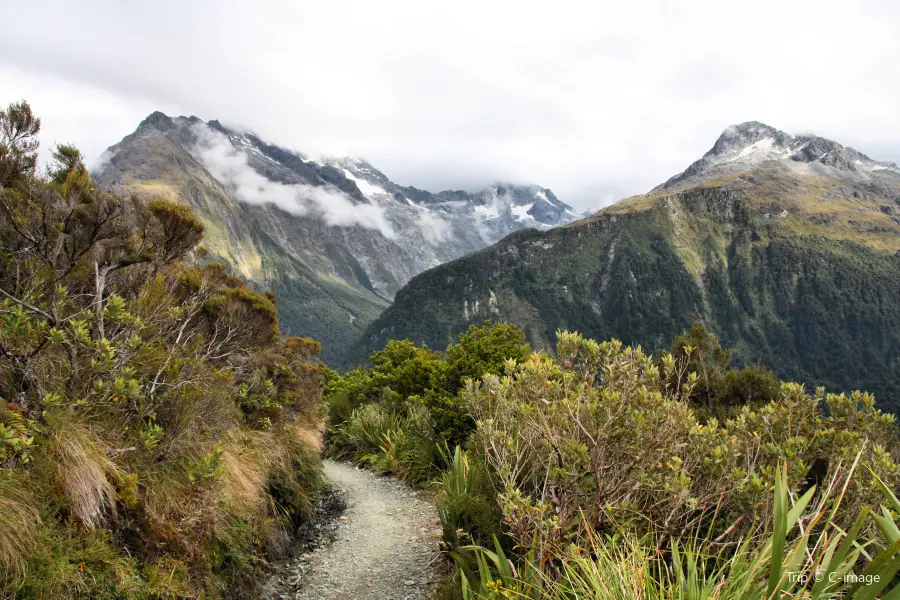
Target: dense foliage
588, 467
404, 412
720, 388
802, 553
605, 439
158, 435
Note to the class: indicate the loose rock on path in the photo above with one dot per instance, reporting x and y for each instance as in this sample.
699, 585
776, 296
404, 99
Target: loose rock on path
384, 545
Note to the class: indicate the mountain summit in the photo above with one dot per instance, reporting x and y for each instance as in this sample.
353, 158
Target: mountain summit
333, 237
747, 145
786, 247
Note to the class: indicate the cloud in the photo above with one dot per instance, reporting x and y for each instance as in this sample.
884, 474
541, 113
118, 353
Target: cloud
435, 228
97, 164
574, 96
231, 168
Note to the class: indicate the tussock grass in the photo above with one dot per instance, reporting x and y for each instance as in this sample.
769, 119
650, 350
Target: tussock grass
83, 473
247, 460
305, 435
244, 478
19, 521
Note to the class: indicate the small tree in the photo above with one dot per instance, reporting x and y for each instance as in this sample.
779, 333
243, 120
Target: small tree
182, 230
18, 142
66, 159
484, 349
719, 390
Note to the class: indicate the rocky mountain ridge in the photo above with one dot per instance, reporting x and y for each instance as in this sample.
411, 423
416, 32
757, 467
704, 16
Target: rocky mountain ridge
335, 238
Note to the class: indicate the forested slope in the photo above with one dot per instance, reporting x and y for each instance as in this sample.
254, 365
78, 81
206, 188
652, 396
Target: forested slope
795, 270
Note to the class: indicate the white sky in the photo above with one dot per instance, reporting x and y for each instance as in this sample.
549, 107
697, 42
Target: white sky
595, 100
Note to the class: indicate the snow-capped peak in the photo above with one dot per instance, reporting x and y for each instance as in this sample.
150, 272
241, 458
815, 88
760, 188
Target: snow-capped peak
472, 219
744, 146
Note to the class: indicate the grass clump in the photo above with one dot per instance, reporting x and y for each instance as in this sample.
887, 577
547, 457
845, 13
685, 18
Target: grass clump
19, 521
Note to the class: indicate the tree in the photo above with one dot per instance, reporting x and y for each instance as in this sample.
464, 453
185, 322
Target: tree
182, 230
719, 389
484, 349
18, 142
66, 160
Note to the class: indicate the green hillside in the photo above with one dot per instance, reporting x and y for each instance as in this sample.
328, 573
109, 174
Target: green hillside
797, 271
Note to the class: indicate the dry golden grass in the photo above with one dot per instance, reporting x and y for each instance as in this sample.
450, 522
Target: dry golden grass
309, 436
167, 502
19, 521
83, 473
249, 457
246, 462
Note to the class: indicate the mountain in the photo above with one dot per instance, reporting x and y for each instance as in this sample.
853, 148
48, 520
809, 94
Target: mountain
787, 247
746, 146
334, 238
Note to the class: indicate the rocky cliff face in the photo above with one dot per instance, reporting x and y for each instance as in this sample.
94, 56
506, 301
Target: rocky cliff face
793, 259
334, 238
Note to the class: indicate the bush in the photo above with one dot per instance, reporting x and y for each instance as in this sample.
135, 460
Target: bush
800, 554
404, 376
603, 441
719, 391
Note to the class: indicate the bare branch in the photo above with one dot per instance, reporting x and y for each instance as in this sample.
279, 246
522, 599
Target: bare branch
30, 307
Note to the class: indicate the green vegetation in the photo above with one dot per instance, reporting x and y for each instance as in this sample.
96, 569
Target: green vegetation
719, 389
402, 414
802, 554
810, 295
158, 436
609, 472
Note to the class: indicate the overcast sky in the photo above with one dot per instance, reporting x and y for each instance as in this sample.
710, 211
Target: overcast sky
595, 100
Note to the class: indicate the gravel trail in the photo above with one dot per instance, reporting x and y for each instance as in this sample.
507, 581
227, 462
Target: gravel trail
383, 548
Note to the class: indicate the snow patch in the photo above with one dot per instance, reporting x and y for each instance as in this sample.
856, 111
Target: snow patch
521, 212
764, 145
490, 211
368, 189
